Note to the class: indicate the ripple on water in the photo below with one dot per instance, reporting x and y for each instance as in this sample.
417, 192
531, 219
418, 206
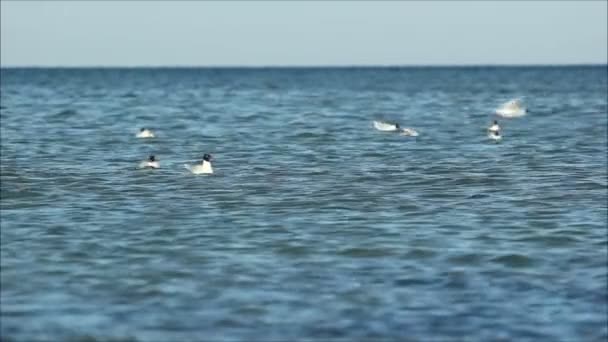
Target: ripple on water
294, 250
513, 260
466, 259
366, 252
420, 253
315, 224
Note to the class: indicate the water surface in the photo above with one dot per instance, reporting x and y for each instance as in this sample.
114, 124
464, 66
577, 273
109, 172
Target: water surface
315, 226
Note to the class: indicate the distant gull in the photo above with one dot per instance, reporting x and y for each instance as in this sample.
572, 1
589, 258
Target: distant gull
495, 135
494, 127
151, 163
389, 127
204, 167
145, 133
511, 109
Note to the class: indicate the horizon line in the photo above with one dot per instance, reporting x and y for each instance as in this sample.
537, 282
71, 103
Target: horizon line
296, 66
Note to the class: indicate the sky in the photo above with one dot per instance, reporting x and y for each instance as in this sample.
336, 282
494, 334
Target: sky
302, 33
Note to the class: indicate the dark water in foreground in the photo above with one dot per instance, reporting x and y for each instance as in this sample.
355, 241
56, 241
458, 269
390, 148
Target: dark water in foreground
315, 226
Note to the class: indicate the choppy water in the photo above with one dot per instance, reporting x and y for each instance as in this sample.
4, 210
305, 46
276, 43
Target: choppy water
315, 226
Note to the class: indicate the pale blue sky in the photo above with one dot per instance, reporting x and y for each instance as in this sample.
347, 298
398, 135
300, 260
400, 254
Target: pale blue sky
205, 33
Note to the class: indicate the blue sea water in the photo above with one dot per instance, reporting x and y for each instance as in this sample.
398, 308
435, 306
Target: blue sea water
315, 226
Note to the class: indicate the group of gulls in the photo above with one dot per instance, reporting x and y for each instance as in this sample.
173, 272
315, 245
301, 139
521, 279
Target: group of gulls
510, 109
204, 167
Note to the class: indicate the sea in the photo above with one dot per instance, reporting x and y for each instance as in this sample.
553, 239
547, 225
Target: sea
315, 226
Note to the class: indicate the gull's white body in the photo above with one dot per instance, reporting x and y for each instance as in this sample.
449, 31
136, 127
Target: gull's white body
511, 109
387, 127
146, 133
149, 164
494, 128
204, 168
409, 132
494, 136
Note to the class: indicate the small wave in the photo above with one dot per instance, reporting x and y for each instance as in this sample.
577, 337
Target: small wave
551, 240
479, 195
66, 113
513, 260
361, 252
411, 281
129, 95
466, 259
92, 338
305, 135
420, 253
293, 250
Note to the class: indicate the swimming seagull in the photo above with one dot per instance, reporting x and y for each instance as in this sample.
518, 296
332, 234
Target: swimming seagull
494, 127
494, 135
151, 163
145, 133
389, 127
204, 167
511, 109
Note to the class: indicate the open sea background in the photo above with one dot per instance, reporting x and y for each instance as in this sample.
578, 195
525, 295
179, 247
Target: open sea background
315, 225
